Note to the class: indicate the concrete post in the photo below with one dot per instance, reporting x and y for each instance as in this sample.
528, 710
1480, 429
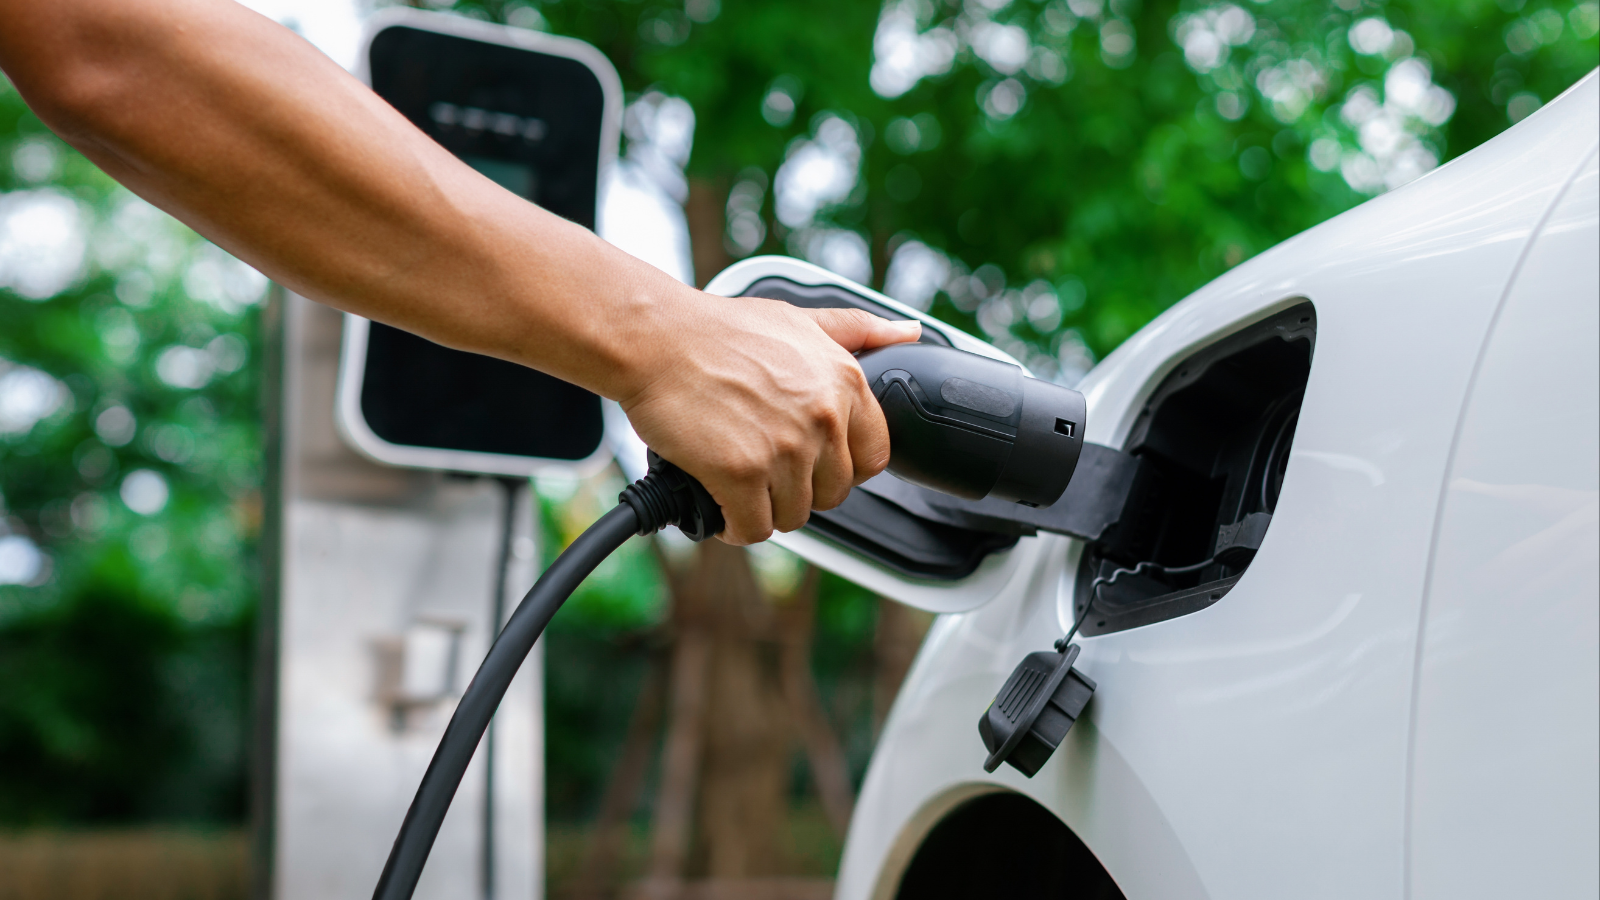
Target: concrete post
381, 570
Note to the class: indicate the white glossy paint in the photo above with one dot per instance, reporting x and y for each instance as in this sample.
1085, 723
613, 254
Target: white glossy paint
1507, 750
1259, 748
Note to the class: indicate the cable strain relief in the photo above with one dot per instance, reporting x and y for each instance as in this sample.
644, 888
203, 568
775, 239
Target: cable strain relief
667, 495
651, 502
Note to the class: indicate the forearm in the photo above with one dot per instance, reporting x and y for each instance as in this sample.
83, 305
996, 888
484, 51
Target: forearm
258, 141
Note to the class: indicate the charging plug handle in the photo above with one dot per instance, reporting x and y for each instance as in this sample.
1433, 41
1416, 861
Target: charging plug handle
975, 427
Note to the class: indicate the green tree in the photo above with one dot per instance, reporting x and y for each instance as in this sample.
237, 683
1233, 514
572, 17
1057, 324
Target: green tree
130, 447
1089, 162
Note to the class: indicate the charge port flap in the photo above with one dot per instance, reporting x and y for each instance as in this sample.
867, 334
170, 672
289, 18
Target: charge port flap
906, 543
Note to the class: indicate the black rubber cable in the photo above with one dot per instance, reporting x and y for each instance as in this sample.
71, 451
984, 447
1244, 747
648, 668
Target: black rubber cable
665, 496
482, 697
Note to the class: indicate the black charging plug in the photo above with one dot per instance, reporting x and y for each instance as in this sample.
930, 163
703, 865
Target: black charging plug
975, 427
668, 495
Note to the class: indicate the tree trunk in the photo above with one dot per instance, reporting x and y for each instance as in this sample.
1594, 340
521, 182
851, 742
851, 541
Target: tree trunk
743, 802
707, 213
738, 690
623, 787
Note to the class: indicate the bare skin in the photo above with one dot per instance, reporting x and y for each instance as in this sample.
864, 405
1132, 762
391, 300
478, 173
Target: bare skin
252, 137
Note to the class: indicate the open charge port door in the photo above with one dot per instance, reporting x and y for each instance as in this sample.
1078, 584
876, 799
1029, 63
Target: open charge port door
1213, 445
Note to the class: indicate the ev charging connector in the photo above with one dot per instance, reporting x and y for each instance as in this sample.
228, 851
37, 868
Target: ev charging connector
958, 422
975, 427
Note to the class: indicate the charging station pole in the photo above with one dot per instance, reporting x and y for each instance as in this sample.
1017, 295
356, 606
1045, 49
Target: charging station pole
387, 581
398, 505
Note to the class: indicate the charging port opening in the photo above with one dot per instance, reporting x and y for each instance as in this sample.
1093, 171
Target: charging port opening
1213, 440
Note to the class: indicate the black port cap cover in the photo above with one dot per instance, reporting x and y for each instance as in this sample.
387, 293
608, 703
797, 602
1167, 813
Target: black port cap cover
1034, 710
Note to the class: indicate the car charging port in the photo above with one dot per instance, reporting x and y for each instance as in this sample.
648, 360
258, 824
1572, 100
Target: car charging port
1211, 448
1213, 444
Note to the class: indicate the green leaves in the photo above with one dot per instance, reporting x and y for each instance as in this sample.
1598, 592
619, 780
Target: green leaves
1133, 150
130, 449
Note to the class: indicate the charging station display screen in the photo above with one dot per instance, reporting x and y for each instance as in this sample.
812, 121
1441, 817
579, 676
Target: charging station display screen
533, 123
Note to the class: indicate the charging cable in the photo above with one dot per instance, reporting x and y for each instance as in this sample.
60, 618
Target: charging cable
665, 496
1104, 580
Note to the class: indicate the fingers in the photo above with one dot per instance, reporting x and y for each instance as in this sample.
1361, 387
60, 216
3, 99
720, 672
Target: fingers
747, 510
778, 492
868, 436
768, 490
855, 329
833, 474
791, 496
740, 486
860, 449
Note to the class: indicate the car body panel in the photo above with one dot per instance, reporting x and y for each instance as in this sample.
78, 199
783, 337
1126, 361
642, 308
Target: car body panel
1267, 735
1509, 671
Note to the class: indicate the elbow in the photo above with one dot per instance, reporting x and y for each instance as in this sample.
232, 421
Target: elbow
66, 69
76, 98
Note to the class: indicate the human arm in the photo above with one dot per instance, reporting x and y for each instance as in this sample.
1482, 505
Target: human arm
255, 139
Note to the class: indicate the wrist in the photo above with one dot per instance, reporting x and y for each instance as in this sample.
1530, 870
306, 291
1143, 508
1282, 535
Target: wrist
637, 339
605, 324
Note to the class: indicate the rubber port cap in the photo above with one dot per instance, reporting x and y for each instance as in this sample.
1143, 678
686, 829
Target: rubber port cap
1034, 710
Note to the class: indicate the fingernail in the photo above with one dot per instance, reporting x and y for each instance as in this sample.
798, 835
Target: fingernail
909, 326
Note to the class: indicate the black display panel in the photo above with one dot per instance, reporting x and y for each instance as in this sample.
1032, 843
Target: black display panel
534, 123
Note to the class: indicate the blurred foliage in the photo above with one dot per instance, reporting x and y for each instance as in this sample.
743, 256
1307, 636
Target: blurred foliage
130, 454
1127, 158
1064, 169
111, 712
597, 649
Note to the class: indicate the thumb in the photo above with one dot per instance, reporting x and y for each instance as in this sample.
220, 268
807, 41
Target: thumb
856, 329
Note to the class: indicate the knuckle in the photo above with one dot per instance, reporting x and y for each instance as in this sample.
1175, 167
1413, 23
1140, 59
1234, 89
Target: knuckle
788, 446
743, 533
743, 468
831, 499
828, 417
870, 462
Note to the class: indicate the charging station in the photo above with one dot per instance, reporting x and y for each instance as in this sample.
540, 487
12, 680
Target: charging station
403, 524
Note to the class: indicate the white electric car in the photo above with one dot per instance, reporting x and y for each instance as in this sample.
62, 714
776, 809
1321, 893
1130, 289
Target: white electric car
1398, 694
